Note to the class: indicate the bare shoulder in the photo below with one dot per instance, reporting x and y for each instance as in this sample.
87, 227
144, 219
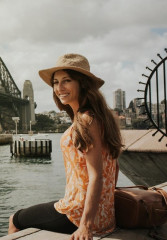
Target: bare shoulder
92, 123
87, 117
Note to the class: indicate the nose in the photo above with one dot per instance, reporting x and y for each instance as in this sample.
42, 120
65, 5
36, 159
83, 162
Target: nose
58, 87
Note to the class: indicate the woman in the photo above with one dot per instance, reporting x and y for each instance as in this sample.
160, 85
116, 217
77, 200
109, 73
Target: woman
90, 149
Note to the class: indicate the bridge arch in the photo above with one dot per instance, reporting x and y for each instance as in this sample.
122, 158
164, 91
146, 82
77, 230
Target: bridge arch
12, 104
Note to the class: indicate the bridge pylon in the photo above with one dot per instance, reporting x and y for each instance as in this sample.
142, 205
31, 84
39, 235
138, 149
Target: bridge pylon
29, 110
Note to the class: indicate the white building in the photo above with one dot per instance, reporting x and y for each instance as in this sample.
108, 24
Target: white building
119, 99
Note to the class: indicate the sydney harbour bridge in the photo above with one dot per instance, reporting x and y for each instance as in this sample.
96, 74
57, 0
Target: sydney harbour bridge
12, 104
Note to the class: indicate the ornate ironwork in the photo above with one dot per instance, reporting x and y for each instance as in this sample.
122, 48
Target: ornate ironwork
155, 96
7, 82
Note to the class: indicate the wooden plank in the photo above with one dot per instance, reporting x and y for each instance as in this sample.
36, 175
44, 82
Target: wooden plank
143, 141
121, 234
136, 234
37, 234
20, 234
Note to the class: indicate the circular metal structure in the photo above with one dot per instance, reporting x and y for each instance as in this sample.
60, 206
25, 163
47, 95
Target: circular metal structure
155, 96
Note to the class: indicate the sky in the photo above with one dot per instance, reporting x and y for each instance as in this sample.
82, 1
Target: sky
118, 37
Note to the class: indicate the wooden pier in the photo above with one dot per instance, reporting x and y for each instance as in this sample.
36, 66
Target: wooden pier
120, 234
31, 146
34, 148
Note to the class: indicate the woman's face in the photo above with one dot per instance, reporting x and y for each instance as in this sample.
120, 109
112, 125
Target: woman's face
66, 89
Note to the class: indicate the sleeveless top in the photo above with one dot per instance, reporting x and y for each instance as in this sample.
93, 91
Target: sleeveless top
77, 180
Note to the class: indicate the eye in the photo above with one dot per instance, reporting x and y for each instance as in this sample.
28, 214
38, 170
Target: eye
55, 82
68, 80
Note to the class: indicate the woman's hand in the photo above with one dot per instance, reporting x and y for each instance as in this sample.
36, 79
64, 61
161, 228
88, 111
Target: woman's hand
82, 233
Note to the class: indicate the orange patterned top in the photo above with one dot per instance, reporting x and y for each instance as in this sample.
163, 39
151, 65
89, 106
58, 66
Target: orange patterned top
77, 180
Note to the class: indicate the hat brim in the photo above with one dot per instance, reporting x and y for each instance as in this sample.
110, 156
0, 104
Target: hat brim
46, 74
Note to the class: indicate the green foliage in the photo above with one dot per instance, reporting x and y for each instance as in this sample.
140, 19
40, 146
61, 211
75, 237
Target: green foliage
43, 123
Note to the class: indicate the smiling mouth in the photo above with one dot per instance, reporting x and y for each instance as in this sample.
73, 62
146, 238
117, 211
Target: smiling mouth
63, 95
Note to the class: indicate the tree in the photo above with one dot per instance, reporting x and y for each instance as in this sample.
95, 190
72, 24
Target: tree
43, 123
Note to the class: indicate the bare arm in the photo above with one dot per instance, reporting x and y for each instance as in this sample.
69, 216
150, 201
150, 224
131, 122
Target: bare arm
95, 169
117, 172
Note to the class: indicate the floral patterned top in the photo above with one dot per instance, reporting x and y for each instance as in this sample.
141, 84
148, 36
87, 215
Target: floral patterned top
77, 180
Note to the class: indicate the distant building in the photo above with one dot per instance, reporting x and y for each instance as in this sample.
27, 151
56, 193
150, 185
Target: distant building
154, 108
137, 102
119, 99
122, 122
128, 121
135, 107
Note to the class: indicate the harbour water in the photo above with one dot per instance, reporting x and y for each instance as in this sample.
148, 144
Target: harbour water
28, 181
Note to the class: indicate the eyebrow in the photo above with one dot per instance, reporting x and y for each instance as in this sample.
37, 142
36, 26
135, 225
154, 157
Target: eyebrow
63, 78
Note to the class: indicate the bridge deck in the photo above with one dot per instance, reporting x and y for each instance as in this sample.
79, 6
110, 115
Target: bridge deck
8, 97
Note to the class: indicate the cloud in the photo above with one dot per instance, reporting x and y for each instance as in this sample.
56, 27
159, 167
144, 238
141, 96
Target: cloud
118, 37
49, 21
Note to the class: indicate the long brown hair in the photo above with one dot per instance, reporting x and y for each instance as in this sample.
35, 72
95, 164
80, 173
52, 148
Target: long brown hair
91, 100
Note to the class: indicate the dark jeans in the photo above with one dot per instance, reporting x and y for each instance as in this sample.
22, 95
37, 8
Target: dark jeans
43, 216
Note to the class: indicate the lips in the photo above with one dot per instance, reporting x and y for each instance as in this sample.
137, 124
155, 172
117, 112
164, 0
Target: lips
63, 95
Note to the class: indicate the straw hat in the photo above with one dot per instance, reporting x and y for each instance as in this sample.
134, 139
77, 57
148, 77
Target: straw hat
70, 61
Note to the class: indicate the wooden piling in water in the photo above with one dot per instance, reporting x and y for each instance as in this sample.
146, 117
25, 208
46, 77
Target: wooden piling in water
31, 148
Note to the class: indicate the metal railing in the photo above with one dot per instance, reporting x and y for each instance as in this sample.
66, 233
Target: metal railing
155, 96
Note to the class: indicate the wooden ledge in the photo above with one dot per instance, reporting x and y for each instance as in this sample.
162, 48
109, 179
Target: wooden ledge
120, 234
